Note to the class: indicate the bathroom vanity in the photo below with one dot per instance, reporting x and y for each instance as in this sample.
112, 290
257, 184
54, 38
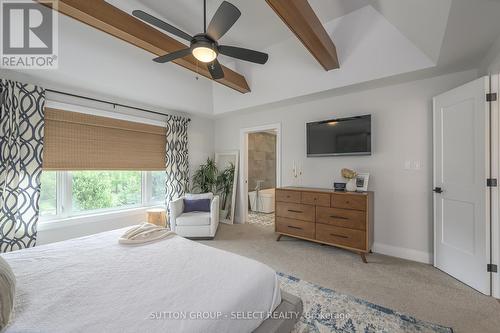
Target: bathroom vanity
342, 219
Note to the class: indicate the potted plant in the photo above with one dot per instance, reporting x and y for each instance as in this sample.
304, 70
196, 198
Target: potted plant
205, 178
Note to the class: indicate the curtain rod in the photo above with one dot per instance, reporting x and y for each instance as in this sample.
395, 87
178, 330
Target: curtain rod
107, 102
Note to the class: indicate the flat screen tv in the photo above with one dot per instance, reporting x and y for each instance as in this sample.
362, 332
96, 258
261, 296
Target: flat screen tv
337, 137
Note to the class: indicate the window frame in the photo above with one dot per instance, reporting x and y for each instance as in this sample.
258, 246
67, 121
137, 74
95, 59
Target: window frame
64, 199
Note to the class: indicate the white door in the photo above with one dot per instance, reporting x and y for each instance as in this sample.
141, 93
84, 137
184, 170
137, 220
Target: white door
461, 196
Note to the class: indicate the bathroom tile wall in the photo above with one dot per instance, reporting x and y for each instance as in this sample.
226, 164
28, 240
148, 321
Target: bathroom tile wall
261, 160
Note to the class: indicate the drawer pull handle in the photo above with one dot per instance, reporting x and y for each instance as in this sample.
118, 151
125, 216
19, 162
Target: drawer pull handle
338, 217
293, 227
339, 236
295, 211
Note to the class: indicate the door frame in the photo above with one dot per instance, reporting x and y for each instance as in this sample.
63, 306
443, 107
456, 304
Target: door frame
495, 173
243, 197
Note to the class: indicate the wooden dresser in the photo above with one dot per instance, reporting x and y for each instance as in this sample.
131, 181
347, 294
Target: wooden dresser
342, 219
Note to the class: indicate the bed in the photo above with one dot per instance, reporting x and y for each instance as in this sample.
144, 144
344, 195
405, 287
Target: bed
94, 284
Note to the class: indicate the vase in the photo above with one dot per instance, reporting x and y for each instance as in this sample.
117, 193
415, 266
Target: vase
351, 185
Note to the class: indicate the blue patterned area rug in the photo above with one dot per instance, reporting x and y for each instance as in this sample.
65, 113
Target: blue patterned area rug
327, 311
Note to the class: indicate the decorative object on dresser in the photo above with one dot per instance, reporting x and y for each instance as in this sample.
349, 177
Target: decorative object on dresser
324, 216
350, 175
362, 182
340, 187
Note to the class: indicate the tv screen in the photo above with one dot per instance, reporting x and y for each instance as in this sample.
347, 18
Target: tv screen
345, 136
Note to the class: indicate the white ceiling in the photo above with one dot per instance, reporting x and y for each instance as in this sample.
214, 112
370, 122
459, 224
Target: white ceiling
368, 47
258, 27
405, 14
374, 38
473, 26
330, 10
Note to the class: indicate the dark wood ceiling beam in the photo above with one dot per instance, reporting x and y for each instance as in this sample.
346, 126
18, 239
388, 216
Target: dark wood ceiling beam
305, 24
111, 20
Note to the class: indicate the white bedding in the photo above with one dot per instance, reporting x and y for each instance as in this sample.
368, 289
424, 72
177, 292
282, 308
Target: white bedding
94, 284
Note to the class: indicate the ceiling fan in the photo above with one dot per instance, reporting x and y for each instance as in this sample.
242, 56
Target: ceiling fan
204, 46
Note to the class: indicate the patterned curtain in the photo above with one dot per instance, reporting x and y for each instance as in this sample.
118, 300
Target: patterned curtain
177, 158
21, 148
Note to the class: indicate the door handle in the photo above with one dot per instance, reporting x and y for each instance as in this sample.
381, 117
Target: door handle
438, 190
295, 211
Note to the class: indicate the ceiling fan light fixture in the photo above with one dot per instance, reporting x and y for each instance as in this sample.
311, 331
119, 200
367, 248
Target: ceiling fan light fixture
205, 46
204, 54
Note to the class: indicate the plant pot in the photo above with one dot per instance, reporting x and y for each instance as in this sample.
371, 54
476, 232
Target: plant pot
351, 185
223, 214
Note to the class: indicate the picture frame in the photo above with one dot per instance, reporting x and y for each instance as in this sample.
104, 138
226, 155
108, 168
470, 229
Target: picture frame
362, 182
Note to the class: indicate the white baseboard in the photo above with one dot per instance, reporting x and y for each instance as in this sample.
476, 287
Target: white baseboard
404, 253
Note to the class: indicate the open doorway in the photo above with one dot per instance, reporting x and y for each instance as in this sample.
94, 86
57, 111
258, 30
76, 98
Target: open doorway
261, 173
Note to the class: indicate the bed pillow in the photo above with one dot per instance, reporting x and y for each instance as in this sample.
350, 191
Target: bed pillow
191, 196
199, 205
7, 292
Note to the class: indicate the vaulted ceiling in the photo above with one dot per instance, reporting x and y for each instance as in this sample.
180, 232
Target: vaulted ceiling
375, 39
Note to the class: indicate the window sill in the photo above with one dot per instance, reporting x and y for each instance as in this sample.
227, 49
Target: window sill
56, 223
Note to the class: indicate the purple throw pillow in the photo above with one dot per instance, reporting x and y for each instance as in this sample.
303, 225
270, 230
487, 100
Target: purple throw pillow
199, 205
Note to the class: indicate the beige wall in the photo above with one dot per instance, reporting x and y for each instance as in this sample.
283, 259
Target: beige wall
261, 160
402, 131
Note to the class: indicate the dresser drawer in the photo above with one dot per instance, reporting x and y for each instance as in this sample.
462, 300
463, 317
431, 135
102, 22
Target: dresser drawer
339, 217
318, 199
341, 236
349, 201
295, 227
295, 211
288, 196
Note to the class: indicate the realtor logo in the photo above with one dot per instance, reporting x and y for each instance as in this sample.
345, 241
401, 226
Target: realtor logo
29, 33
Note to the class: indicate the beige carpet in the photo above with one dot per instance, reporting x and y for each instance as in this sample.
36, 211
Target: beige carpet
412, 288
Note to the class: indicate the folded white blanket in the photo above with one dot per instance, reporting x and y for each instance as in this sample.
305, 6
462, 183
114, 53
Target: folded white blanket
144, 233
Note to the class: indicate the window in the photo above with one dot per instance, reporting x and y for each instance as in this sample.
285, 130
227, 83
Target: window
94, 190
48, 194
158, 186
88, 192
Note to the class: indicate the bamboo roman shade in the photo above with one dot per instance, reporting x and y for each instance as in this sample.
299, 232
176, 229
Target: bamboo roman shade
78, 141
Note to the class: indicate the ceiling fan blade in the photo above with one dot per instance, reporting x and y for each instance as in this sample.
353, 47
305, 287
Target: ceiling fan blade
172, 56
224, 18
244, 54
161, 24
216, 70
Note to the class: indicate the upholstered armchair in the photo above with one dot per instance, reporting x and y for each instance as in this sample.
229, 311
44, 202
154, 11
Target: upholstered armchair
195, 224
